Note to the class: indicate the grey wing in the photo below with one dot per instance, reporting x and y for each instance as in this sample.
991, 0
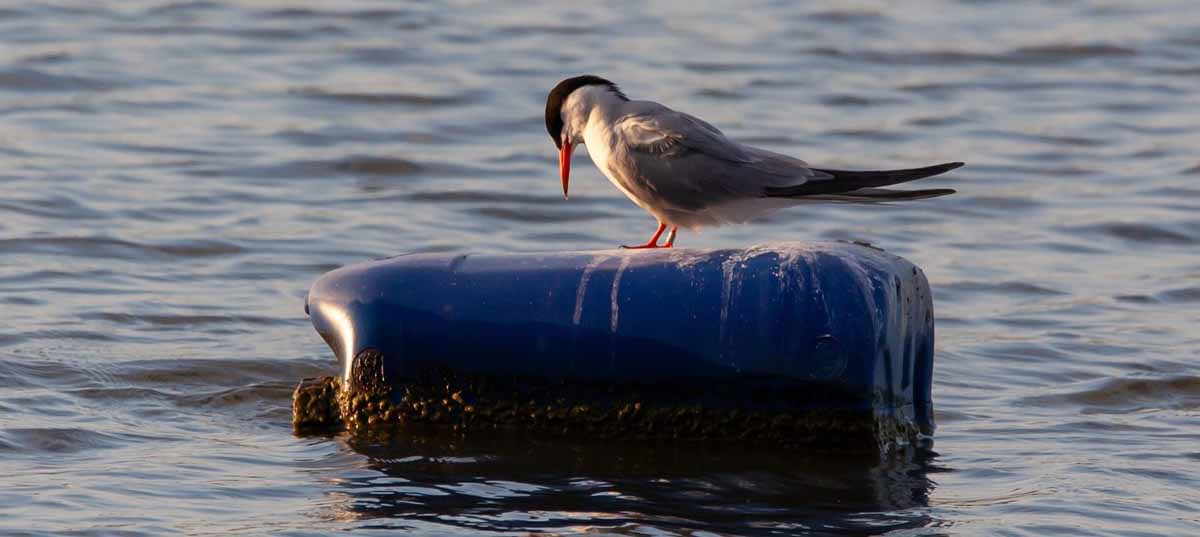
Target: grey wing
691, 164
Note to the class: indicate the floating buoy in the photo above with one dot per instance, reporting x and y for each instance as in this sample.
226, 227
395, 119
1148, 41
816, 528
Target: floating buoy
827, 343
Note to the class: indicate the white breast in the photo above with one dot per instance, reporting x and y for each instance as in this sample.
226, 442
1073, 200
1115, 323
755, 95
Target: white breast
599, 140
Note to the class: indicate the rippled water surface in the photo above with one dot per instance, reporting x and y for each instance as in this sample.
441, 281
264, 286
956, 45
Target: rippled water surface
175, 174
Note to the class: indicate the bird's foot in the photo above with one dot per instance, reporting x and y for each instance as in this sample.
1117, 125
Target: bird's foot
653, 242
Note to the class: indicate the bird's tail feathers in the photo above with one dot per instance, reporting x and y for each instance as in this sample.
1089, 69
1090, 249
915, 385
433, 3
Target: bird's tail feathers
880, 195
846, 182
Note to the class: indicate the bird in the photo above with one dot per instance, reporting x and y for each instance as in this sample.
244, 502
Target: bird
687, 173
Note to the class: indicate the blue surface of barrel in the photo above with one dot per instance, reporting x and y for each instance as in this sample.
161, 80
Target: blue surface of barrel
833, 314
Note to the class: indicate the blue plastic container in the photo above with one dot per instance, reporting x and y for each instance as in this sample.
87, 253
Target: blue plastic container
800, 326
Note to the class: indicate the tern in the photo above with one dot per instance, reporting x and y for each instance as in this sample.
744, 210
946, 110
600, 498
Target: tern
687, 174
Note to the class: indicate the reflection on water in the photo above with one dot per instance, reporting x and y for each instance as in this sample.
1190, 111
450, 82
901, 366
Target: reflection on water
175, 173
432, 483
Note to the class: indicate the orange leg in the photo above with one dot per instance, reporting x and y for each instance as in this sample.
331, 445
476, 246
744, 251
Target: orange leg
671, 237
653, 242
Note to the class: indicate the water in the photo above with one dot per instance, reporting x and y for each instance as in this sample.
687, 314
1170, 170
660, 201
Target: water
175, 174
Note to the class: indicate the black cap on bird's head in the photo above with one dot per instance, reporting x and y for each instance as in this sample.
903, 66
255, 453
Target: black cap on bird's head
558, 97
554, 122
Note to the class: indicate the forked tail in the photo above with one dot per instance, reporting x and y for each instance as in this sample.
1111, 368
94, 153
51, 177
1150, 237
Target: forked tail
851, 186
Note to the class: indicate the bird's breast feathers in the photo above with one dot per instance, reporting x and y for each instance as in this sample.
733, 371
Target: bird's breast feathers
607, 152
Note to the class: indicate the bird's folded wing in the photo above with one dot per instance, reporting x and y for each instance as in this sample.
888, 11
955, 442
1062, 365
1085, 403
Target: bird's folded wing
693, 162
669, 134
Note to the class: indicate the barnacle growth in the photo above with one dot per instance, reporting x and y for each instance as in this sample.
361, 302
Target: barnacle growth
750, 412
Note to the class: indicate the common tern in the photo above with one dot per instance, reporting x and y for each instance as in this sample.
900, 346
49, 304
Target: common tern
687, 174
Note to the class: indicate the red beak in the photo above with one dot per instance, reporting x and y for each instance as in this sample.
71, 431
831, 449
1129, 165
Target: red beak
564, 165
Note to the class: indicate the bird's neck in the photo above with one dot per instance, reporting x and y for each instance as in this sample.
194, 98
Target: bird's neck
591, 107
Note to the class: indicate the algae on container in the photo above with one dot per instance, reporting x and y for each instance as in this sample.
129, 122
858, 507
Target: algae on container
821, 344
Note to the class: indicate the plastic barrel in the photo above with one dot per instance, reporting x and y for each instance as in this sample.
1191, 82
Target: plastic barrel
782, 329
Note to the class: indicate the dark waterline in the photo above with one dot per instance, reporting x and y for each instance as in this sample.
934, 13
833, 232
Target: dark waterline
175, 175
